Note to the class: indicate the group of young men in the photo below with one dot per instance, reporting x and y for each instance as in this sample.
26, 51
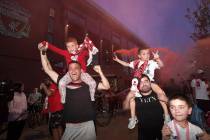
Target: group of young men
146, 100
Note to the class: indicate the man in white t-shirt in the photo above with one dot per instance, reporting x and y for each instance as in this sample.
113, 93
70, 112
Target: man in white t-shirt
200, 91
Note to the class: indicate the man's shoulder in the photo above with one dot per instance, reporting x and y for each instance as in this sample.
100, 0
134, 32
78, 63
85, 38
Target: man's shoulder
153, 94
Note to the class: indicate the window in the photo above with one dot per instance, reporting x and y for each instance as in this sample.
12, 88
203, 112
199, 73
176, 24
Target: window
51, 25
52, 12
49, 38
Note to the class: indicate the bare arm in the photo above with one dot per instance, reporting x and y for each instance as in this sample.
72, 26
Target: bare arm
104, 84
55, 49
160, 93
48, 69
49, 65
121, 62
157, 59
43, 48
159, 62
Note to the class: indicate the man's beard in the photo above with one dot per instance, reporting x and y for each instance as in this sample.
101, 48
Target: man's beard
145, 89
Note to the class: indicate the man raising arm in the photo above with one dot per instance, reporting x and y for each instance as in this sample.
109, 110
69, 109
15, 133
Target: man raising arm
103, 85
78, 109
47, 67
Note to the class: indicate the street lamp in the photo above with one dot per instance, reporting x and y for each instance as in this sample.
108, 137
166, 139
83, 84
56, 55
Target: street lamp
66, 31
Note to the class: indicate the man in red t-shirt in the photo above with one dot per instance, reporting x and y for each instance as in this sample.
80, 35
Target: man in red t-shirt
55, 107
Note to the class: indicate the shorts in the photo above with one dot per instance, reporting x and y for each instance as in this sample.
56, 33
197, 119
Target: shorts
55, 119
80, 131
34, 108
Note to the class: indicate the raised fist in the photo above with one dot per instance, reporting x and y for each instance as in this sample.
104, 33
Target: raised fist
43, 46
97, 68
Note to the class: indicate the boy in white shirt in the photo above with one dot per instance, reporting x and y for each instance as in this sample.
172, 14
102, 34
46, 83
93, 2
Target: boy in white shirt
143, 65
180, 128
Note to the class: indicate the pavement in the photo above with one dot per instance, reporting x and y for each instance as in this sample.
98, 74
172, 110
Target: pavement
116, 130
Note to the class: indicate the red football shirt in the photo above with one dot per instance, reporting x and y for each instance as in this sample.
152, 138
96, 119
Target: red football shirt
54, 100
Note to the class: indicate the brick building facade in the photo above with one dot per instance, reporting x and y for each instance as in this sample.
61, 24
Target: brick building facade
23, 24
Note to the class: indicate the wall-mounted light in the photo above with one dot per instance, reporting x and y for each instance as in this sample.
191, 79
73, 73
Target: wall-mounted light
66, 29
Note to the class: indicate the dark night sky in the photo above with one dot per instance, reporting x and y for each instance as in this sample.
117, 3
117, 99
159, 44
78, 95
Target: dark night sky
160, 23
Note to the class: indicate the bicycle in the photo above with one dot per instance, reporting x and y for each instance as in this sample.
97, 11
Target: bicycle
35, 116
107, 104
103, 109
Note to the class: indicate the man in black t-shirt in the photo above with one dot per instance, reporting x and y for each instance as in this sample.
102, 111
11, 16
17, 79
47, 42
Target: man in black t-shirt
78, 113
149, 112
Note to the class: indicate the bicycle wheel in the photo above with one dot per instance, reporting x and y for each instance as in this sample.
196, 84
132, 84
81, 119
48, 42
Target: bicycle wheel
103, 113
31, 121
